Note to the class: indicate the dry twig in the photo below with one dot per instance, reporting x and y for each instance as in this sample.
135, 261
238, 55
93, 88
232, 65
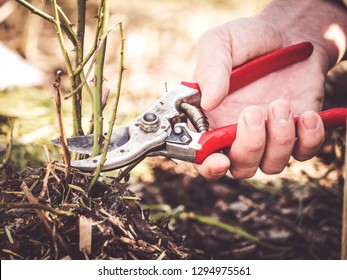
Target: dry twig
49, 227
66, 153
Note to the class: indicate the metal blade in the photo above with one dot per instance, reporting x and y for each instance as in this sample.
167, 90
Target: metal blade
84, 144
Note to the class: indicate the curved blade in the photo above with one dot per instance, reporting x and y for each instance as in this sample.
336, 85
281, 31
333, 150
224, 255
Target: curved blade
84, 144
139, 145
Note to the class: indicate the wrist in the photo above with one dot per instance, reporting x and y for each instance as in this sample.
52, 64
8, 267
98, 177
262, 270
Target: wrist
324, 23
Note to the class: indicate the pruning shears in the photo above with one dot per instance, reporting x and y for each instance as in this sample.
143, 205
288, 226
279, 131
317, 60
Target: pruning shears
162, 129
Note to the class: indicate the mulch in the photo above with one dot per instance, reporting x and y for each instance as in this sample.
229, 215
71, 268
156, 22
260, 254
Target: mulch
177, 216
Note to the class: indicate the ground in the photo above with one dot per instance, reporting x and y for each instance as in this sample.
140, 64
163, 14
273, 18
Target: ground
164, 210
176, 216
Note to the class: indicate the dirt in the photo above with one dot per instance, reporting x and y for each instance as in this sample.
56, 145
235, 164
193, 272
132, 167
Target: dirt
111, 217
177, 216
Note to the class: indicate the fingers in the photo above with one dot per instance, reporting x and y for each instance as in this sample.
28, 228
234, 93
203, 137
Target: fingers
248, 147
268, 147
214, 166
280, 137
310, 131
213, 66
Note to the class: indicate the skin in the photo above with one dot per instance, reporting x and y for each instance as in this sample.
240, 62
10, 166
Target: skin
297, 90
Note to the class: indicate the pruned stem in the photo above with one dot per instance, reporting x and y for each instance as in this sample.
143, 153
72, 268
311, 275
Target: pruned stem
114, 110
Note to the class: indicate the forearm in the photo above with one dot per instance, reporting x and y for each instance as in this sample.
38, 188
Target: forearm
322, 22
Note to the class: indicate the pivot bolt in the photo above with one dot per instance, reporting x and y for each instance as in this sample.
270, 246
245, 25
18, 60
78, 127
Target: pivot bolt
149, 122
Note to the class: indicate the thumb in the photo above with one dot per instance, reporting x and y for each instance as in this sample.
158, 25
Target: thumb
213, 67
228, 45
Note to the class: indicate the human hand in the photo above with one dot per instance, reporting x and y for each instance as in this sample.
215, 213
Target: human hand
296, 90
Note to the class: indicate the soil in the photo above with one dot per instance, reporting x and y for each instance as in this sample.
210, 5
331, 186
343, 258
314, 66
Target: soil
177, 216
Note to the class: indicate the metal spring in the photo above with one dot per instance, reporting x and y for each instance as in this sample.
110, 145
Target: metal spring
195, 116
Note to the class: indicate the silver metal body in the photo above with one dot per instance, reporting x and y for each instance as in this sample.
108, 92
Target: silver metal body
156, 132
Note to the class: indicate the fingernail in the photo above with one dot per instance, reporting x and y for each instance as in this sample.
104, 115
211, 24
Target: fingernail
281, 111
253, 117
310, 121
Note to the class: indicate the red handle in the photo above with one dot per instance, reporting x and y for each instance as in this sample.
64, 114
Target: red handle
263, 65
223, 137
249, 72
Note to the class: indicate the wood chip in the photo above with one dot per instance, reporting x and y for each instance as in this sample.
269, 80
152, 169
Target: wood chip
85, 234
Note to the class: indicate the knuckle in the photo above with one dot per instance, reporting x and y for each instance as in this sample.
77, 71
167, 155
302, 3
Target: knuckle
206, 37
285, 140
251, 148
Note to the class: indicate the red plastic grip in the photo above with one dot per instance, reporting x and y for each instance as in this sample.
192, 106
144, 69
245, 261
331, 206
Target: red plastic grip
249, 72
263, 65
223, 137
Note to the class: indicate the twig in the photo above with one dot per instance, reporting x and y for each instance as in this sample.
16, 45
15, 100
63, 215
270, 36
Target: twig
127, 170
92, 50
85, 77
37, 206
66, 153
68, 26
93, 53
48, 172
114, 111
48, 18
42, 217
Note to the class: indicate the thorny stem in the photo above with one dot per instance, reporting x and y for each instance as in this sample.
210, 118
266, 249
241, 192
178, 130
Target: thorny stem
78, 71
114, 110
92, 50
79, 52
99, 79
67, 27
76, 118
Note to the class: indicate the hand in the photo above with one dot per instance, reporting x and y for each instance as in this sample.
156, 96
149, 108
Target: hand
278, 97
